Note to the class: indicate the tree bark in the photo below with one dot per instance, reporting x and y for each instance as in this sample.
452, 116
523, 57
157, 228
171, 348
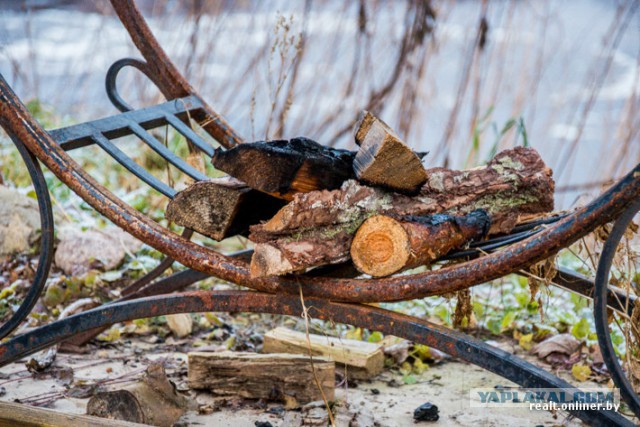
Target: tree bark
221, 207
284, 168
296, 253
515, 182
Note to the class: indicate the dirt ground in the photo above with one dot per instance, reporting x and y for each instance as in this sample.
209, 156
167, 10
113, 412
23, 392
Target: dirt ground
386, 400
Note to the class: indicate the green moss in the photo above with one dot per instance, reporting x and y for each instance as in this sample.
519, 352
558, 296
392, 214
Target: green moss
436, 181
509, 163
53, 296
500, 202
348, 228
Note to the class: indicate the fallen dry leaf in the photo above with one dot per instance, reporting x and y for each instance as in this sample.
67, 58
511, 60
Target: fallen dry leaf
180, 324
565, 344
581, 372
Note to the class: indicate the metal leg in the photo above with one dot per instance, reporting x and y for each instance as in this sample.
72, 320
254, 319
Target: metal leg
601, 311
46, 241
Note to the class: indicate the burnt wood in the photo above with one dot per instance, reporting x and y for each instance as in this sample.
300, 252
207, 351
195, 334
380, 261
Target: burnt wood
282, 168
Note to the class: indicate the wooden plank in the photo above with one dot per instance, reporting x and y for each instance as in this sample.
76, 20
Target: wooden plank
363, 359
280, 377
385, 160
16, 414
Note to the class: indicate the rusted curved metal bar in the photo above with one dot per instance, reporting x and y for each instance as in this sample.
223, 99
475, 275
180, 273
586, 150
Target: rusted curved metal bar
450, 341
19, 123
601, 309
46, 242
165, 74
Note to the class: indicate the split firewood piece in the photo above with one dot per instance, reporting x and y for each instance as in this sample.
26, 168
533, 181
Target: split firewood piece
221, 207
384, 245
153, 401
283, 168
279, 377
363, 360
384, 160
292, 254
515, 183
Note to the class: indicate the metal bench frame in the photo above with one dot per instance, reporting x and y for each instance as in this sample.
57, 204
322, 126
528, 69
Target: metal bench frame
335, 299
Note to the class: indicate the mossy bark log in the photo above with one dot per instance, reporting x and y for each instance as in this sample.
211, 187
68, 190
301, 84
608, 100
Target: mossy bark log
513, 184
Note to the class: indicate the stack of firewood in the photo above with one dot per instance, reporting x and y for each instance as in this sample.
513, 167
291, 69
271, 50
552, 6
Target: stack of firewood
305, 205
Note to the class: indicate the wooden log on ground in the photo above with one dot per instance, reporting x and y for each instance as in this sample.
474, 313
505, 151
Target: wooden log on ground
221, 207
384, 160
153, 401
315, 228
384, 245
363, 360
16, 414
283, 168
279, 377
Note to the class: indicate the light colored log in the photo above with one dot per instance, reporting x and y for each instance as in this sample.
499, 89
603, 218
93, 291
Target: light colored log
363, 359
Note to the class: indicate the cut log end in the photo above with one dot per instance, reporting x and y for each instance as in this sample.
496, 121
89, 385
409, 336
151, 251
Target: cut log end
380, 246
153, 401
118, 405
221, 207
384, 245
267, 260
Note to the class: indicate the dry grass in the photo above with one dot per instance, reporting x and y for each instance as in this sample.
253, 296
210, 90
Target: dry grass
436, 71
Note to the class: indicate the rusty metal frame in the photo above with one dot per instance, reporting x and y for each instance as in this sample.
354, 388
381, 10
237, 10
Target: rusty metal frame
17, 121
23, 128
422, 331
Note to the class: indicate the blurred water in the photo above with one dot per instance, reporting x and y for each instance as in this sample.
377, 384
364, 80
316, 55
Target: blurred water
541, 62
